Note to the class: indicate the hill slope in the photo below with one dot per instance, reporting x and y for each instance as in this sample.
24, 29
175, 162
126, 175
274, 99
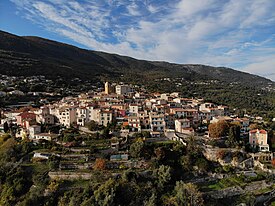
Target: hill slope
37, 56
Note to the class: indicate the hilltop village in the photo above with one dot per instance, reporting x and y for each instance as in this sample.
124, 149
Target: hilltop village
126, 128
158, 114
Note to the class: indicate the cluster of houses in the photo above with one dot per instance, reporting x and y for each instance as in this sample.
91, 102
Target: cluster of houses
8, 83
135, 111
257, 138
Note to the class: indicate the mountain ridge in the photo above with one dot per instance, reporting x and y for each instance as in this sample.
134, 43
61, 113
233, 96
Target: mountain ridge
31, 55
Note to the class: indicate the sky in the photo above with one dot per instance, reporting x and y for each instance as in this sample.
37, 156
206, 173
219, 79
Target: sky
239, 34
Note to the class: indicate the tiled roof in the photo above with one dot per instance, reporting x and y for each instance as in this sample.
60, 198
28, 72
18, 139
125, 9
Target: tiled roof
258, 131
27, 115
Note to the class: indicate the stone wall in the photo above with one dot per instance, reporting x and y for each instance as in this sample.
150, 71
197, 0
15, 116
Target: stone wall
70, 175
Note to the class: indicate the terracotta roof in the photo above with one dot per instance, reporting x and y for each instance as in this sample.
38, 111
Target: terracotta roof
27, 115
225, 118
132, 117
125, 123
258, 131
183, 120
184, 110
106, 111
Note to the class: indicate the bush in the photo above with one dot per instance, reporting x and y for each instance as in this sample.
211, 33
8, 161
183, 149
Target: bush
136, 149
100, 164
221, 154
92, 125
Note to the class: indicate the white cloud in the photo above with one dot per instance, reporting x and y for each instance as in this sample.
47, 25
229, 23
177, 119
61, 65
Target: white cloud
265, 66
133, 9
189, 8
152, 9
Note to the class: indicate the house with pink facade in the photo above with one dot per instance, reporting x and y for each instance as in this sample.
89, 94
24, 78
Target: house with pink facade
258, 138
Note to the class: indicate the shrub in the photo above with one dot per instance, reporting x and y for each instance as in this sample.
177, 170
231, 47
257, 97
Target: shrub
100, 164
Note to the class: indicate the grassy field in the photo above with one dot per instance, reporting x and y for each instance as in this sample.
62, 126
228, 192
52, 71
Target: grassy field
224, 183
262, 191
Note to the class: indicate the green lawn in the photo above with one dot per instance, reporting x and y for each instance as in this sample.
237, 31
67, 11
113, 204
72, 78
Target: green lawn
67, 184
224, 183
97, 142
264, 190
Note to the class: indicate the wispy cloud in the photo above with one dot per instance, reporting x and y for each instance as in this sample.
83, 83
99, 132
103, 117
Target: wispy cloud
232, 33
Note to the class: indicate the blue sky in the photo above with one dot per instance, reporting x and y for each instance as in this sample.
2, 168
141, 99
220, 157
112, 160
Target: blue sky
233, 33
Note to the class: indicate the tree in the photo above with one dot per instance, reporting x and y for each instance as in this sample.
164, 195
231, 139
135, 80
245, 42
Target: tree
8, 151
146, 134
6, 127
92, 125
160, 153
187, 194
272, 126
100, 164
53, 186
218, 129
163, 175
152, 201
105, 194
87, 202
105, 133
136, 149
202, 165
186, 162
3, 138
221, 154
53, 162
247, 199
234, 135
253, 126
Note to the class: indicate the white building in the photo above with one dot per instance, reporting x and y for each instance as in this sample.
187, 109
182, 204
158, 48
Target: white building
44, 136
43, 116
33, 130
67, 116
106, 117
157, 121
183, 126
123, 89
134, 123
133, 108
258, 138
81, 115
